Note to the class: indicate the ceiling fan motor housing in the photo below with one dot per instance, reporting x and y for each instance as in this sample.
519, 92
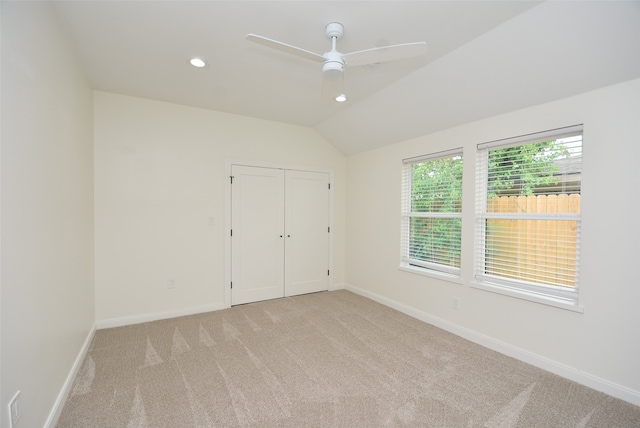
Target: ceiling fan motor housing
333, 66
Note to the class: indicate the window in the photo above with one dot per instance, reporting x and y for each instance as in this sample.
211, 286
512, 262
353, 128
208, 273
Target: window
432, 212
528, 216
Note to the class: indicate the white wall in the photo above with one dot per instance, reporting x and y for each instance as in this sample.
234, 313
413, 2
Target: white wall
47, 210
599, 347
160, 175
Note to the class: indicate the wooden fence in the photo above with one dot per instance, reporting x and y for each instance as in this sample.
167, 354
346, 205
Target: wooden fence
539, 251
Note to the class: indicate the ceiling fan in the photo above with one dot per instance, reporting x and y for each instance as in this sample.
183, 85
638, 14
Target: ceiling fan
334, 62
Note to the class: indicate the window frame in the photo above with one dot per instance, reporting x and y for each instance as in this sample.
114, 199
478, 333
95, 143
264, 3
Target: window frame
537, 292
422, 267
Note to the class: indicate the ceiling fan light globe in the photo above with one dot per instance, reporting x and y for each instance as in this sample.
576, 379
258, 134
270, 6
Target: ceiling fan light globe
197, 62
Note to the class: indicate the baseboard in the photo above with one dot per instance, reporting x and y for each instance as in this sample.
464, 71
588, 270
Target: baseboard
554, 367
52, 420
155, 316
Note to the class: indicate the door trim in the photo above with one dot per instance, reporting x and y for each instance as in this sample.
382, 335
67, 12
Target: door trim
229, 162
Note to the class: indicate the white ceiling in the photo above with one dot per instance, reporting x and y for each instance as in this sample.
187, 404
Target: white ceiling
484, 58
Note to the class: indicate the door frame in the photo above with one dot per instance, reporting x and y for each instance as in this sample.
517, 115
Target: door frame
229, 162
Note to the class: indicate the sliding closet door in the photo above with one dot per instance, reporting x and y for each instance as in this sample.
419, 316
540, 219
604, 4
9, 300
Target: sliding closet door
307, 230
257, 218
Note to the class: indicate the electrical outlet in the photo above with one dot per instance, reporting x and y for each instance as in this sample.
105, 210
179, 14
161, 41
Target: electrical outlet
15, 413
455, 303
172, 283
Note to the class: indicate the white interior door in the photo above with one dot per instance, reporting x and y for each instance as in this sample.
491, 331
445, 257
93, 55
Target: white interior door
307, 230
257, 221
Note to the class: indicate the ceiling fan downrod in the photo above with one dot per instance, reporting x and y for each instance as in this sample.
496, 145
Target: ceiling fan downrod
333, 66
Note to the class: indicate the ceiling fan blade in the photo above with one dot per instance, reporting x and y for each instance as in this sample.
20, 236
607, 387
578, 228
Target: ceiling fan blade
274, 44
385, 54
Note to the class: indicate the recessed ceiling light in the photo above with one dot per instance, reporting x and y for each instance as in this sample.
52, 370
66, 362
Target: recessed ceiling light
197, 62
341, 98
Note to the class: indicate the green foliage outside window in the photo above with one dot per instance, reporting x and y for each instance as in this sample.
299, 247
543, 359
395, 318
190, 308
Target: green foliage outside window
436, 188
437, 185
521, 169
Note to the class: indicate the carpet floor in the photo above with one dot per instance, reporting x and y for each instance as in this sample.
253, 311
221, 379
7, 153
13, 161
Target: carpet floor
331, 359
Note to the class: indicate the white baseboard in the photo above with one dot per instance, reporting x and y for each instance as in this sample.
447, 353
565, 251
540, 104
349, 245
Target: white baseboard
155, 316
52, 420
559, 369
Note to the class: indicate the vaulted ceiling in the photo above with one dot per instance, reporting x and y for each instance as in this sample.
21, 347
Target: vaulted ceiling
484, 58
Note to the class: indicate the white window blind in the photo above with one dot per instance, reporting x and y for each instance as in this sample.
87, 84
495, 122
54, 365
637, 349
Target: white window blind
528, 219
432, 212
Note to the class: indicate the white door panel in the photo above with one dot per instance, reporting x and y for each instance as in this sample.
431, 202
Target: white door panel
307, 222
258, 229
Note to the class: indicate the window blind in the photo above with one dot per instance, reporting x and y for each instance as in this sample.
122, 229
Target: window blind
528, 220
432, 211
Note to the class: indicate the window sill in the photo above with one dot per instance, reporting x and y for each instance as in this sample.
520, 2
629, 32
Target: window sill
530, 296
432, 273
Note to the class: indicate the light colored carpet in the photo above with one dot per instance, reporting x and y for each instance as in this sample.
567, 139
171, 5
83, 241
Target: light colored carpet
332, 359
